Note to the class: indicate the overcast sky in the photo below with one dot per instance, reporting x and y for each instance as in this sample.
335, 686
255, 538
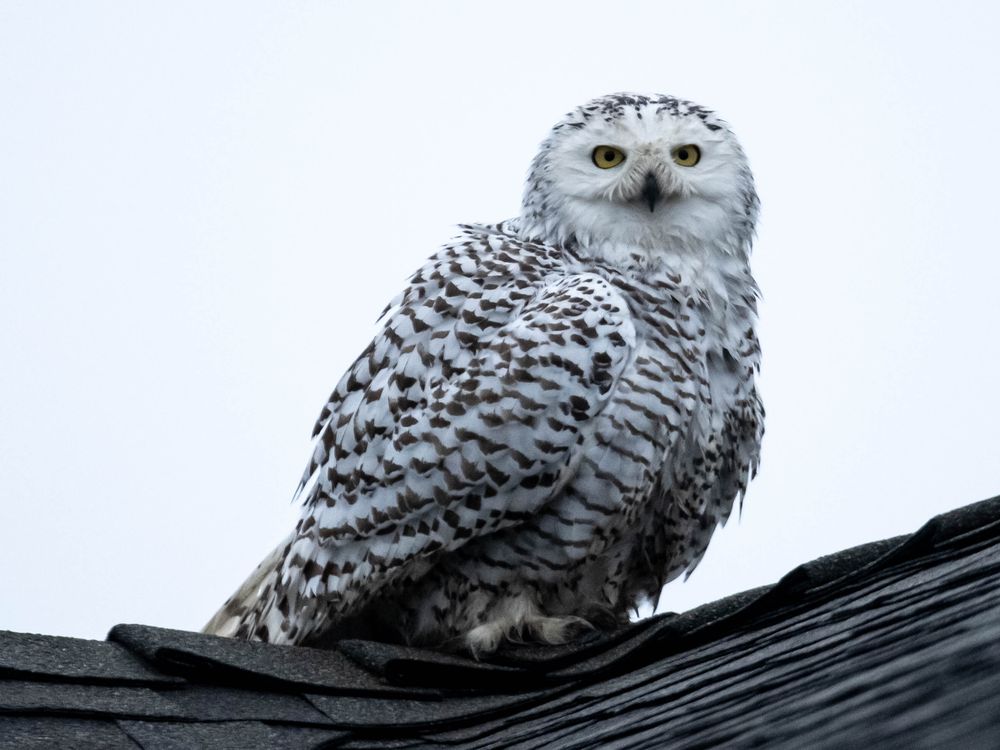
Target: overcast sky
205, 205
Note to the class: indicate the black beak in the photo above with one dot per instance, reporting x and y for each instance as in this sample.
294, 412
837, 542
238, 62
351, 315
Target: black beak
651, 191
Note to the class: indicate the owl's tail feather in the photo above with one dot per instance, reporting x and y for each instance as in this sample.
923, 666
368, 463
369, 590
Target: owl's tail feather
238, 617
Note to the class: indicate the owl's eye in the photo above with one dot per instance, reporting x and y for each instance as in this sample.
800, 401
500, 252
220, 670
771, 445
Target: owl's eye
687, 156
606, 157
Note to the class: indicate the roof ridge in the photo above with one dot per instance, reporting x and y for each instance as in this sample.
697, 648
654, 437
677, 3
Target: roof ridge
769, 656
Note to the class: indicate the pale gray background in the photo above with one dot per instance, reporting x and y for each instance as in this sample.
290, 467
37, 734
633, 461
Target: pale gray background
204, 206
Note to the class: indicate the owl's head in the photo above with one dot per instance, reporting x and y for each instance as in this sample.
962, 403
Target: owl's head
627, 174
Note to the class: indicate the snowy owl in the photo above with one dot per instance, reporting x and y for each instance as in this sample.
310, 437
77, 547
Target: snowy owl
556, 413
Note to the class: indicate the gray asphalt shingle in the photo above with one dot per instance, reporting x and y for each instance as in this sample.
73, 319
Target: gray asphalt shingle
891, 644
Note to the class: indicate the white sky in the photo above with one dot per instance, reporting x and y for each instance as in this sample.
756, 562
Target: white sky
205, 205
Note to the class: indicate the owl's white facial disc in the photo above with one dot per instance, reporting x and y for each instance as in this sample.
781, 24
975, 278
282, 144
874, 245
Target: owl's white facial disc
648, 203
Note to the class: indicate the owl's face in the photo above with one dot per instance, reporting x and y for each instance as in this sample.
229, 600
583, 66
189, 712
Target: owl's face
629, 172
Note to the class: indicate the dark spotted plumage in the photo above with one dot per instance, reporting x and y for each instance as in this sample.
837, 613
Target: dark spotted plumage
556, 414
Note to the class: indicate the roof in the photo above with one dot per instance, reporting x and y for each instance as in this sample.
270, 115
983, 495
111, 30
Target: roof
892, 644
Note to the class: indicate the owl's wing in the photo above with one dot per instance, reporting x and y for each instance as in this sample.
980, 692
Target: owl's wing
445, 443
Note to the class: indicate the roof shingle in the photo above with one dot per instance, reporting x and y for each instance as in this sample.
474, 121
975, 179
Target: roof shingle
891, 644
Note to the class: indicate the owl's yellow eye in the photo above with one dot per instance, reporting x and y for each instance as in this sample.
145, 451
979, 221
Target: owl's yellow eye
687, 156
606, 157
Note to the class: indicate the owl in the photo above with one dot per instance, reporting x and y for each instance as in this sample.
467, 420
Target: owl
556, 413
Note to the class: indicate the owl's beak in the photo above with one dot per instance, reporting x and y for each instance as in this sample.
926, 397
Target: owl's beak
651, 191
